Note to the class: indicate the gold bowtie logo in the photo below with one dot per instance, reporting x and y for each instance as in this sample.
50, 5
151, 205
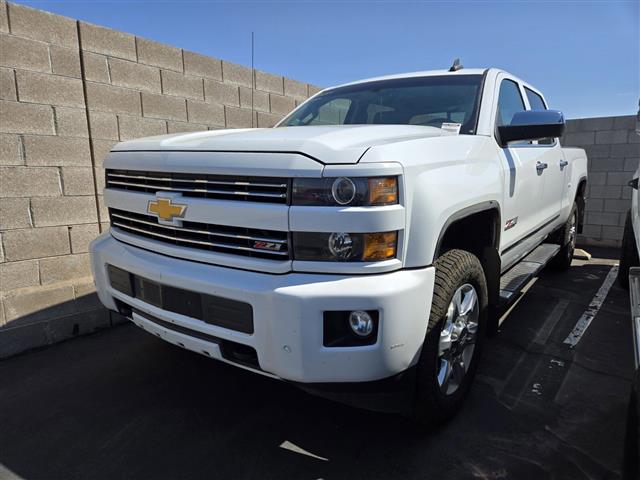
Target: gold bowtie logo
165, 210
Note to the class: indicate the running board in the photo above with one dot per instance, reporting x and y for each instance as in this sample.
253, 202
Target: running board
512, 282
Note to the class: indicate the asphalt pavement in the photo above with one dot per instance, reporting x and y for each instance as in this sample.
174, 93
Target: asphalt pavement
124, 404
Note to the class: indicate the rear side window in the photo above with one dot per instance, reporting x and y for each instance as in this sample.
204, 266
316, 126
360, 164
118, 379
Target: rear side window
509, 102
535, 100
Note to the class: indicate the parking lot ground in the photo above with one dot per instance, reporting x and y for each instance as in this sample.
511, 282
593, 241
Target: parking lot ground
124, 404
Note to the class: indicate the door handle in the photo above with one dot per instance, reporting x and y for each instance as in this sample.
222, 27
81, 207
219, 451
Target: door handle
563, 163
540, 166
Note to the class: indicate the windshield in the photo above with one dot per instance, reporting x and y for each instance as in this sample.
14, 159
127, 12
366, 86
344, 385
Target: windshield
429, 101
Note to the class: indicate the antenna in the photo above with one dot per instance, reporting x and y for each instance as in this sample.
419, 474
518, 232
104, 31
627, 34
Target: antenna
456, 65
253, 80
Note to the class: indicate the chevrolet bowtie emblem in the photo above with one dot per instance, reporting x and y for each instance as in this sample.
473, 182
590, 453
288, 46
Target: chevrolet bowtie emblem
165, 210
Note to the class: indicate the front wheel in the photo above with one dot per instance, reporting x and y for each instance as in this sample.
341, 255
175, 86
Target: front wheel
451, 350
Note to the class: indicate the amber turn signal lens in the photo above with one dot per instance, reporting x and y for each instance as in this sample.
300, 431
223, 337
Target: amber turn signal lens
379, 246
383, 191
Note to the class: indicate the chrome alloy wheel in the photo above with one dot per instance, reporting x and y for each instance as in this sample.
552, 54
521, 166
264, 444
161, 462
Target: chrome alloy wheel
458, 338
573, 230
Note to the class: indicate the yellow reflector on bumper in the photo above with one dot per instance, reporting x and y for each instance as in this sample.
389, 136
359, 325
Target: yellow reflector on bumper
379, 246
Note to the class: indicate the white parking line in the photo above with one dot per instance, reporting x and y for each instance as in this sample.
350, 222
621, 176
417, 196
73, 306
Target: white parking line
287, 445
592, 310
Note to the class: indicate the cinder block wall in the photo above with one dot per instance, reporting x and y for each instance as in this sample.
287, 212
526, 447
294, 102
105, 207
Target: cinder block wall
69, 91
613, 149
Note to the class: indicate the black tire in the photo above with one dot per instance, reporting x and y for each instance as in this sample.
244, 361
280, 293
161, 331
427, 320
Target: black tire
628, 253
566, 238
454, 270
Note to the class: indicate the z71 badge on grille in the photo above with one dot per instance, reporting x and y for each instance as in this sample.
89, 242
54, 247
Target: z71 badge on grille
271, 246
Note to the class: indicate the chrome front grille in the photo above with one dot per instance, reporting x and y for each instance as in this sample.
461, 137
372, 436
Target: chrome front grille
249, 242
224, 187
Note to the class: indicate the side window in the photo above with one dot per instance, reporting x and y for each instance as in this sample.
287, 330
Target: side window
535, 100
509, 102
537, 103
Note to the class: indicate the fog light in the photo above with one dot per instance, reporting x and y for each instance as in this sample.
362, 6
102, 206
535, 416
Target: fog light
343, 190
361, 323
340, 245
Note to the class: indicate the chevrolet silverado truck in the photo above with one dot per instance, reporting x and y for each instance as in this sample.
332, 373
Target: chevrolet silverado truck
361, 248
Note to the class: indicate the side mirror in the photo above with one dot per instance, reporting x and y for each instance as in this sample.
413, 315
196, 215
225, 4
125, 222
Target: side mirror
634, 183
532, 125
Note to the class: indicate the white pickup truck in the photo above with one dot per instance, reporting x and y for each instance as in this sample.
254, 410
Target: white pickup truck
361, 248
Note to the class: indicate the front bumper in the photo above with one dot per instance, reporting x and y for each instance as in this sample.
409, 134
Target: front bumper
287, 313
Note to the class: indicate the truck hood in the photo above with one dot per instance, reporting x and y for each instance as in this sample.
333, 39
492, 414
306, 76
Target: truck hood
328, 144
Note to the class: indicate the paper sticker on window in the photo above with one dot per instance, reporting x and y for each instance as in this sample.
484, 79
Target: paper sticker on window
451, 127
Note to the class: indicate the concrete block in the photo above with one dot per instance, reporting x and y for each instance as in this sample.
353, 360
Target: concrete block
266, 120
594, 205
100, 150
237, 118
602, 218
71, 122
597, 178
596, 151
65, 61
48, 212
281, 105
618, 178
205, 113
616, 206
626, 193
222, 93
77, 324
4, 22
180, 127
26, 118
593, 231
606, 164
202, 66
29, 182
8, 84
45, 151
260, 99
103, 211
631, 164
599, 123
18, 52
107, 41
233, 73
100, 180
14, 213
180, 85
82, 236
611, 136
626, 150
612, 233
571, 126
137, 127
626, 122
18, 275
159, 55
96, 68
77, 181
314, 89
269, 83
10, 150
134, 75
104, 126
49, 89
604, 191
43, 26
58, 269
578, 139
108, 98
38, 304
162, 106
295, 89
31, 243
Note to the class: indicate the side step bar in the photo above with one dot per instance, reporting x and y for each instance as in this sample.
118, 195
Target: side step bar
514, 279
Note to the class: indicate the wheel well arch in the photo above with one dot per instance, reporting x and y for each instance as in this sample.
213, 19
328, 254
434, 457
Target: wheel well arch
581, 201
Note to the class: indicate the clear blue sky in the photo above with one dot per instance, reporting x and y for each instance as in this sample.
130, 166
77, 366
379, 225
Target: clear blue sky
584, 55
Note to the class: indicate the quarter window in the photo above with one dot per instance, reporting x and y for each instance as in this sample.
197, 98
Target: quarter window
509, 102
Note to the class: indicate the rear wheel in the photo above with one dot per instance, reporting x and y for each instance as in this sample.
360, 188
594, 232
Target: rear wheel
450, 353
567, 239
628, 253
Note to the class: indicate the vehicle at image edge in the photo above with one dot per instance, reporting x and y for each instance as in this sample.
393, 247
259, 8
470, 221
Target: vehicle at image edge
629, 277
361, 248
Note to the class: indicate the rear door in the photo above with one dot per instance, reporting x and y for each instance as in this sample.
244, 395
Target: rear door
523, 209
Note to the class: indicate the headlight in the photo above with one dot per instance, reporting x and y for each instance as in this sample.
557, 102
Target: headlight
344, 247
357, 191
